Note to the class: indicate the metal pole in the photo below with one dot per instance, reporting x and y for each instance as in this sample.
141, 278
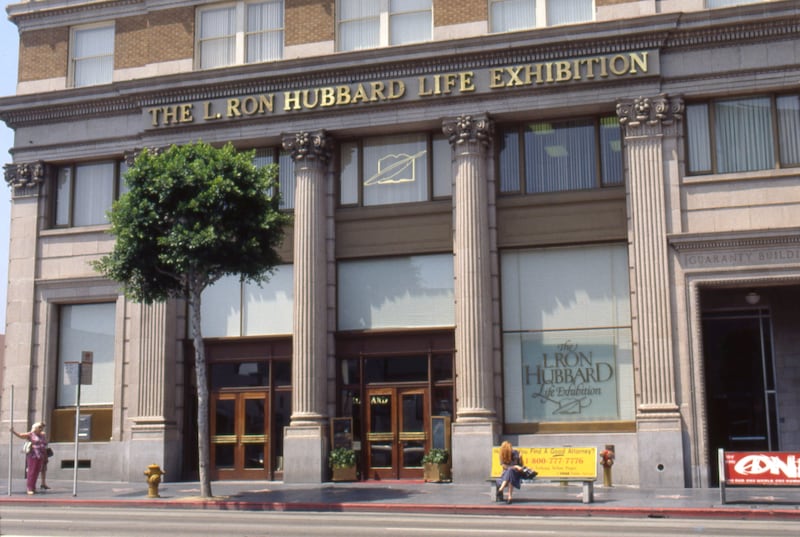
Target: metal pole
77, 422
11, 442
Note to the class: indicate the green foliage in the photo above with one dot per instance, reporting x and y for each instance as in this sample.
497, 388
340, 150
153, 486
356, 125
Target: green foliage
193, 214
436, 456
342, 458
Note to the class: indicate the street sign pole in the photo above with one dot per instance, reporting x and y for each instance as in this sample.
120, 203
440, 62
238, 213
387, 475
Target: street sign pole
77, 422
11, 442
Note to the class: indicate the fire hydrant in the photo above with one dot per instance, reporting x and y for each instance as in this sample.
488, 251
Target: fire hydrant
607, 461
153, 473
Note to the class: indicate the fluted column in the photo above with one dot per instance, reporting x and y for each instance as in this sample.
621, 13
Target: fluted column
305, 439
310, 153
153, 428
475, 426
647, 122
26, 371
651, 127
470, 138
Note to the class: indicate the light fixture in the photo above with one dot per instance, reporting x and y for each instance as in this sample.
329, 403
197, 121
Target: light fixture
752, 298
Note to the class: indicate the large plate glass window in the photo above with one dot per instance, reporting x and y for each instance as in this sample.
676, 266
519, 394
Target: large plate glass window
86, 333
510, 15
92, 55
242, 32
567, 350
231, 308
363, 24
398, 292
556, 156
402, 168
743, 135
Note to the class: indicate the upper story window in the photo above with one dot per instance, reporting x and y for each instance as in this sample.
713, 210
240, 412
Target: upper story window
509, 15
85, 192
286, 182
554, 156
92, 55
723, 3
242, 32
402, 168
741, 135
379, 23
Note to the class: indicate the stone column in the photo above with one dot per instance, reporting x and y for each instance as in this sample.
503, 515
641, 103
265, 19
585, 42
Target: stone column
154, 345
21, 370
305, 440
474, 429
651, 127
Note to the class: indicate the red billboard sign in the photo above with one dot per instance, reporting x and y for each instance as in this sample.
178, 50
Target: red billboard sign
762, 468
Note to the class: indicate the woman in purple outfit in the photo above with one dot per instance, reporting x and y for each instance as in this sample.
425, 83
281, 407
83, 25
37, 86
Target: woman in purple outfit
36, 456
511, 477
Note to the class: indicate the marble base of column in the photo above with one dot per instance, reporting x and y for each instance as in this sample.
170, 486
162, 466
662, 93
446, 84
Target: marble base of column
660, 446
304, 453
154, 440
472, 444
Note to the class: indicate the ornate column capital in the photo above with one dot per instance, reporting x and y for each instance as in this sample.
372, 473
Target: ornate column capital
308, 146
468, 128
23, 178
653, 111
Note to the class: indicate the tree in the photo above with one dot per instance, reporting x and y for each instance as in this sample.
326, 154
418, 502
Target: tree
193, 214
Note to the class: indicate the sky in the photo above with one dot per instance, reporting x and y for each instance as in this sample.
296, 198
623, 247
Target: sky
9, 46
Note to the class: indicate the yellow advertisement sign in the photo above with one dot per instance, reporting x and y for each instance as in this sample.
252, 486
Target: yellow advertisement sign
567, 462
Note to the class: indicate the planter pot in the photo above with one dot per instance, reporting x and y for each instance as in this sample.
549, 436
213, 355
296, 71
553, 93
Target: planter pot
344, 474
436, 473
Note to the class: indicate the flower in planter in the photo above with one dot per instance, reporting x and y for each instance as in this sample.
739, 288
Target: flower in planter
436, 456
342, 458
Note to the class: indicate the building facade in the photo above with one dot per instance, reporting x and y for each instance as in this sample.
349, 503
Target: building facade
553, 222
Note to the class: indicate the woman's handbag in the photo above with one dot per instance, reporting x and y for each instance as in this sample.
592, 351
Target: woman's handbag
26, 447
527, 473
49, 452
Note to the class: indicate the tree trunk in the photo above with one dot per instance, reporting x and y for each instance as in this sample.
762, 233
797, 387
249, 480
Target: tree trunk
203, 445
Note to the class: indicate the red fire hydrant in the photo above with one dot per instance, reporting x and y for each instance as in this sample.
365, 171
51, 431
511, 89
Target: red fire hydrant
607, 461
153, 473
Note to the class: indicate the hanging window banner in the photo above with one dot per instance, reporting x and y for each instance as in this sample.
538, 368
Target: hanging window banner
570, 378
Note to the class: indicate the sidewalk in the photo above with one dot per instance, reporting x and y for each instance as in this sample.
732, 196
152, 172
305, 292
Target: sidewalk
541, 499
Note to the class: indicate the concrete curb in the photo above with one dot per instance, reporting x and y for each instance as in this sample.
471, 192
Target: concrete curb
449, 509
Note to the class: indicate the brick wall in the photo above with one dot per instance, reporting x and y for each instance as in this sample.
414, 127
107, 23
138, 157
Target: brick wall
43, 54
447, 12
309, 21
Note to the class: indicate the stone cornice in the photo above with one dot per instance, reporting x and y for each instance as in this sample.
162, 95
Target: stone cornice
662, 32
695, 242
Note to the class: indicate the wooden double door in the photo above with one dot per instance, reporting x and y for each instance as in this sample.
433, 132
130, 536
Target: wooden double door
398, 429
240, 442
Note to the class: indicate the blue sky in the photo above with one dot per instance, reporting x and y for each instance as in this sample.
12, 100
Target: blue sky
9, 45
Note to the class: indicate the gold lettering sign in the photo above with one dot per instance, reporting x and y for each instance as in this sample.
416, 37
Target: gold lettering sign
437, 85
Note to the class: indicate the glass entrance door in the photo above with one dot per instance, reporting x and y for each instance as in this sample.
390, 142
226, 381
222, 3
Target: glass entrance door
397, 432
741, 395
239, 438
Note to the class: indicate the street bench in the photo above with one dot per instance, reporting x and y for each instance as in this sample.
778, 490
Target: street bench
757, 469
555, 464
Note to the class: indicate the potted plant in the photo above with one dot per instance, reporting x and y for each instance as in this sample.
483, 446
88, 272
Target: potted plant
343, 464
436, 466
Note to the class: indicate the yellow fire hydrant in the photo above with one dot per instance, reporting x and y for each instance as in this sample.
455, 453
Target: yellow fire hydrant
607, 461
153, 473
